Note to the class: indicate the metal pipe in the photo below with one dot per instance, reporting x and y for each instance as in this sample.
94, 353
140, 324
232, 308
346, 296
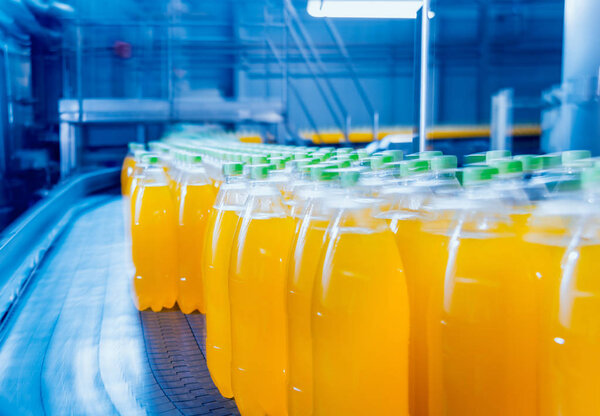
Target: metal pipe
424, 90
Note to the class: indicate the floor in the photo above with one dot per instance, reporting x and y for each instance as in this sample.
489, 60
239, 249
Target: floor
77, 346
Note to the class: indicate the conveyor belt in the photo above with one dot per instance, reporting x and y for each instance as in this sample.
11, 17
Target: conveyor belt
76, 345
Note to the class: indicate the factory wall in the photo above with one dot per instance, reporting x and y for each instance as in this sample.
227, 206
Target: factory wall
219, 49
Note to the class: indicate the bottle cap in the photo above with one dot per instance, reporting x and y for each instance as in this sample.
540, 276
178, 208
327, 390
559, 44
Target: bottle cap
444, 162
590, 178
259, 171
429, 154
507, 166
474, 158
550, 160
530, 162
413, 167
477, 174
349, 177
496, 154
570, 156
397, 155
233, 168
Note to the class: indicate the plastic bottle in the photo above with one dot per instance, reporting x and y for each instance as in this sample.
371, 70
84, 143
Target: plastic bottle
196, 197
128, 167
257, 278
359, 316
307, 247
564, 237
405, 216
220, 231
484, 341
154, 240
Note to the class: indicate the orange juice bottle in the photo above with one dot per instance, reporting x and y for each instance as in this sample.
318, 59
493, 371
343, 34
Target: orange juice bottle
154, 240
306, 250
565, 243
359, 316
484, 335
129, 167
220, 230
257, 278
196, 199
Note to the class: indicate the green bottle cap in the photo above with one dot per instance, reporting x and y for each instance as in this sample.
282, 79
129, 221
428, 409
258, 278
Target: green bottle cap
474, 158
259, 159
571, 156
413, 167
150, 159
349, 177
477, 174
233, 168
550, 160
344, 150
590, 178
429, 154
397, 155
530, 162
352, 156
323, 172
379, 161
496, 154
195, 159
444, 162
279, 162
362, 153
259, 171
507, 166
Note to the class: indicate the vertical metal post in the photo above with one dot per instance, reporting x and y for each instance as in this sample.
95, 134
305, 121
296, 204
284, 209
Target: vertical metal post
502, 120
424, 90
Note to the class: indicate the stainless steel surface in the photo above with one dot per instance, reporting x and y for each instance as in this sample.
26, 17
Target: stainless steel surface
76, 345
24, 243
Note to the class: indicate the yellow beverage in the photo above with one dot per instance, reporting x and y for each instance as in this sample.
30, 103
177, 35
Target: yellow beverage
258, 323
220, 231
154, 246
483, 338
408, 232
304, 261
567, 253
194, 206
360, 321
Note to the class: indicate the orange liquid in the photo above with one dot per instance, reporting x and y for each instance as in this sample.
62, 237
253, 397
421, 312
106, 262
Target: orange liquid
304, 263
258, 322
360, 327
570, 328
483, 339
154, 248
220, 231
194, 205
408, 233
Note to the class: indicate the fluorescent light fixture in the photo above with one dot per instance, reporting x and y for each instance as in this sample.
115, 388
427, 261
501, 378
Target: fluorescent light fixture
365, 9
